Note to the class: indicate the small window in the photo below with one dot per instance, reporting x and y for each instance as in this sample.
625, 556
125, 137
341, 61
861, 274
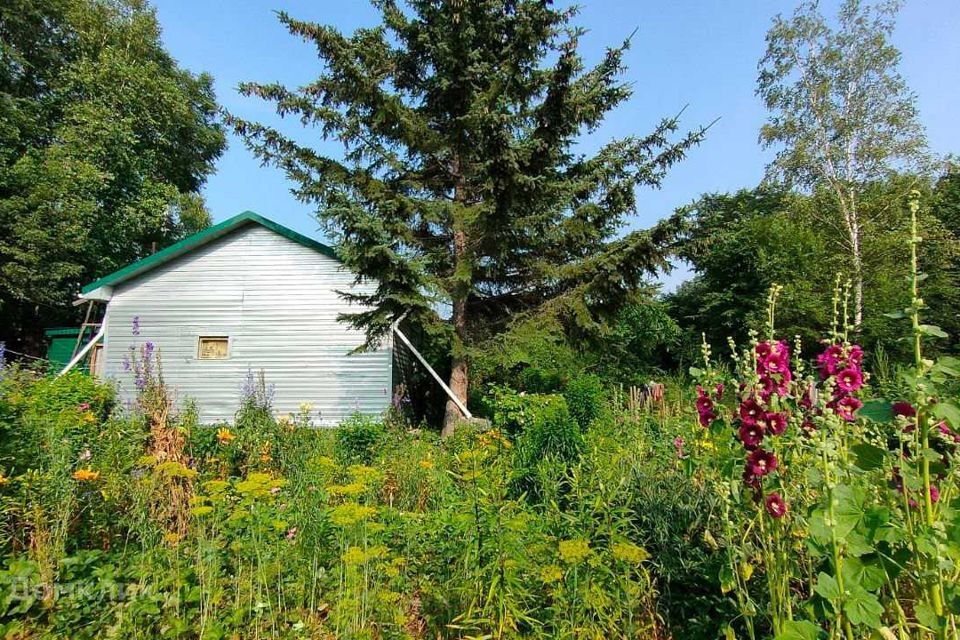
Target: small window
212, 347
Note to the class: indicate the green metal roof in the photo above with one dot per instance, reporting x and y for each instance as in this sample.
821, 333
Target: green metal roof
200, 239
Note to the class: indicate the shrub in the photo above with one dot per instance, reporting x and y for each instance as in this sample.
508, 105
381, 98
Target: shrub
359, 437
586, 399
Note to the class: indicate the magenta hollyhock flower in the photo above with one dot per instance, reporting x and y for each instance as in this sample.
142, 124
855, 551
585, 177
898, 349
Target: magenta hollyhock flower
934, 494
829, 360
808, 427
750, 480
855, 357
704, 404
751, 435
763, 349
846, 407
750, 410
776, 423
776, 506
849, 380
718, 391
776, 362
947, 432
904, 409
760, 462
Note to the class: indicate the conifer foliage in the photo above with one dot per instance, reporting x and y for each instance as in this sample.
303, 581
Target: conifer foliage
459, 184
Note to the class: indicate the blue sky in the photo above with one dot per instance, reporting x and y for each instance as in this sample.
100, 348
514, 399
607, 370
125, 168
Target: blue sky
701, 54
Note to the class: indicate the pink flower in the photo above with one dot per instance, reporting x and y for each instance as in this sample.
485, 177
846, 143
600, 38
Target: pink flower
678, 445
849, 380
718, 390
947, 433
704, 404
934, 494
904, 409
855, 357
763, 349
83, 406
776, 506
829, 360
846, 407
776, 423
751, 435
291, 533
750, 409
776, 362
761, 462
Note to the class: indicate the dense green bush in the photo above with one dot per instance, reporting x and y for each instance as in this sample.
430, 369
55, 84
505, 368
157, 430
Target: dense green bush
359, 437
586, 399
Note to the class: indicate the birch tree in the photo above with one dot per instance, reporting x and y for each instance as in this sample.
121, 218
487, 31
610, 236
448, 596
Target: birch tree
840, 113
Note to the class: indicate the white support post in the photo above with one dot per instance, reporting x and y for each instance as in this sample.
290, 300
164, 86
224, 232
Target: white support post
436, 376
83, 352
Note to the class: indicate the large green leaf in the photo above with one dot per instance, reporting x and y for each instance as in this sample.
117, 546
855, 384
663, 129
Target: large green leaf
868, 457
876, 410
848, 509
827, 587
799, 630
947, 411
867, 572
862, 607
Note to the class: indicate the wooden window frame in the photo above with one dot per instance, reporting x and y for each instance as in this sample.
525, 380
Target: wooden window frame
211, 338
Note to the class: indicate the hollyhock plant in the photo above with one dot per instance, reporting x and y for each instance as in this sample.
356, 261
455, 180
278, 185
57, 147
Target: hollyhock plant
776, 423
846, 407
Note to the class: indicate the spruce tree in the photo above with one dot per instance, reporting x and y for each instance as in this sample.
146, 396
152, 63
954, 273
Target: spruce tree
460, 186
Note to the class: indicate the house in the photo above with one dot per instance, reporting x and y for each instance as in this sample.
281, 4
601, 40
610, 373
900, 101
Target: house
242, 296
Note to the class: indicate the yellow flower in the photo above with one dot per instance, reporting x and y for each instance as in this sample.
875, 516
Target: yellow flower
201, 511
4, 480
551, 573
426, 464
351, 513
353, 489
354, 556
224, 436
171, 538
573, 551
86, 475
629, 552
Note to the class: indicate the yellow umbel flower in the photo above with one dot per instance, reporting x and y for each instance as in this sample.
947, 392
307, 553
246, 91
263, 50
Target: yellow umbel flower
225, 436
86, 475
574, 551
629, 552
4, 480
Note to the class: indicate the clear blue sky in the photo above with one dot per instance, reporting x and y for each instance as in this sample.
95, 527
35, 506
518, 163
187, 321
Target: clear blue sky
701, 54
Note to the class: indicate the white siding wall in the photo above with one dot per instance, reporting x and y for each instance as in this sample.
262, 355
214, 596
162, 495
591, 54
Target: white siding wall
277, 302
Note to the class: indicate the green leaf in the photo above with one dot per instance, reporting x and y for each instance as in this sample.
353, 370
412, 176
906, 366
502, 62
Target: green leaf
728, 581
848, 509
895, 315
868, 457
877, 410
695, 372
928, 617
932, 330
866, 572
947, 411
863, 607
827, 587
799, 630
